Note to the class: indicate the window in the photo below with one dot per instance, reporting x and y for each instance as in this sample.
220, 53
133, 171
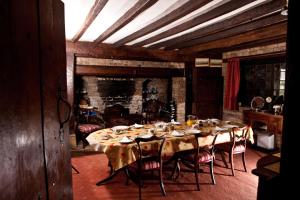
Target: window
279, 90
261, 78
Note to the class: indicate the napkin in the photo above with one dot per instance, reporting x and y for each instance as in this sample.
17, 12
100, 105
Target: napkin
230, 126
125, 140
176, 133
220, 129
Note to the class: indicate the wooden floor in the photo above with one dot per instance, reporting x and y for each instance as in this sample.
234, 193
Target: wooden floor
93, 167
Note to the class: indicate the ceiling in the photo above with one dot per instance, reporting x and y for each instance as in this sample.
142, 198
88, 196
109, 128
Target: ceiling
184, 25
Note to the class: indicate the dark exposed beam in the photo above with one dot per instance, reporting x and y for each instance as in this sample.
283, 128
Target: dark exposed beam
256, 24
133, 12
128, 71
216, 12
223, 25
256, 43
95, 10
251, 36
90, 49
181, 11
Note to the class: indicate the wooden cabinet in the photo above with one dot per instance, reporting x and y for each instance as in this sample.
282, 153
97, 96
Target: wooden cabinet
273, 122
207, 92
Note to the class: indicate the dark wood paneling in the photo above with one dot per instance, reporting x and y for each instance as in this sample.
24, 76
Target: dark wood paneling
128, 71
22, 171
290, 138
53, 65
188, 72
70, 77
70, 86
207, 92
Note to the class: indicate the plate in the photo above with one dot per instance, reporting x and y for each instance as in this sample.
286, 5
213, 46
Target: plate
160, 125
230, 126
137, 126
120, 128
145, 136
175, 123
177, 134
192, 131
220, 129
125, 140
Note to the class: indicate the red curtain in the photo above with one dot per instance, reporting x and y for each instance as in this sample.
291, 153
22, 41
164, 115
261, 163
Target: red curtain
232, 84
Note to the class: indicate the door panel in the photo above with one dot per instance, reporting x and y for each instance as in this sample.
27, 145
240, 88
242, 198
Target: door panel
53, 61
22, 161
34, 162
207, 93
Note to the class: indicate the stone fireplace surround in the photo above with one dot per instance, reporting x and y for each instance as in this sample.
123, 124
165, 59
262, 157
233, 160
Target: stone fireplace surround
132, 99
105, 92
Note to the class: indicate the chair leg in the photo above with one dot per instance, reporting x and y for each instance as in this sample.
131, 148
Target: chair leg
110, 167
78, 137
196, 175
161, 183
140, 185
75, 169
127, 176
223, 158
84, 141
231, 163
176, 170
244, 161
212, 172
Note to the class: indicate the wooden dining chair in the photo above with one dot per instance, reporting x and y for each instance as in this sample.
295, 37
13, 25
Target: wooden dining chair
199, 156
148, 160
237, 145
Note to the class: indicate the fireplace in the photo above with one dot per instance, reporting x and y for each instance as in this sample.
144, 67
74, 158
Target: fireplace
116, 91
105, 92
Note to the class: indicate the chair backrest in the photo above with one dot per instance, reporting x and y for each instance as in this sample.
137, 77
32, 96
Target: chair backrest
116, 110
209, 148
154, 152
239, 136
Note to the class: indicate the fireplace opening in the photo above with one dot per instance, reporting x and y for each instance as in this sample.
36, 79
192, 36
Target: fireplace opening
116, 91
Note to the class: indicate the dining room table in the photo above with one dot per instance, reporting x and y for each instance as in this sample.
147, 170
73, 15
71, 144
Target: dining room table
120, 148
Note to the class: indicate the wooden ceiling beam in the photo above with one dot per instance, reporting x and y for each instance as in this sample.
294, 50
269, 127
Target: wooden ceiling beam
255, 24
93, 13
132, 72
262, 42
216, 12
179, 12
251, 36
133, 12
90, 49
244, 17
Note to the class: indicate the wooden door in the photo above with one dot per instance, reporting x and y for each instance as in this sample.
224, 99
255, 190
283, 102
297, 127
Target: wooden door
207, 93
34, 163
53, 72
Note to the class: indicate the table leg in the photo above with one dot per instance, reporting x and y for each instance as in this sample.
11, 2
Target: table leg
107, 179
75, 169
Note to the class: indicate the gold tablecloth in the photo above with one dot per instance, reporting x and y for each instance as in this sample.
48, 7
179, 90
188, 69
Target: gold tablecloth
121, 155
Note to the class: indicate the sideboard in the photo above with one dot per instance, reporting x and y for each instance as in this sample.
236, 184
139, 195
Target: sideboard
273, 122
